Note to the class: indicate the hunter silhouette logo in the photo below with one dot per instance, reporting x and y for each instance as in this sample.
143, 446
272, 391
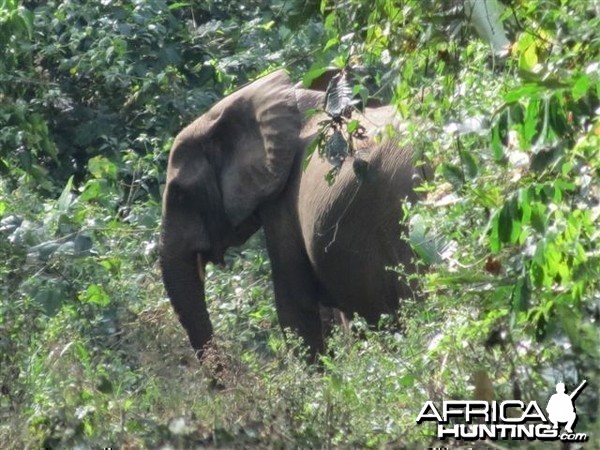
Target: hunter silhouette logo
510, 419
560, 406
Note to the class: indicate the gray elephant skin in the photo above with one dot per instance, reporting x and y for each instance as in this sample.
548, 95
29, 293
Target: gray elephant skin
239, 167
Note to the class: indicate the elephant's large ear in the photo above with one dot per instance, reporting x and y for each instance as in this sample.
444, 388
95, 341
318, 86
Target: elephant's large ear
258, 128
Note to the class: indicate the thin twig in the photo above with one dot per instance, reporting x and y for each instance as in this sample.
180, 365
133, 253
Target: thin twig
337, 224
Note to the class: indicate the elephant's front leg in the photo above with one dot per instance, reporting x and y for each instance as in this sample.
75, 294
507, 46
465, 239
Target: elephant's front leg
300, 312
296, 288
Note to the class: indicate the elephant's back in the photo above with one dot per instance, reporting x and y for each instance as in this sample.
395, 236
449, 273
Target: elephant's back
352, 228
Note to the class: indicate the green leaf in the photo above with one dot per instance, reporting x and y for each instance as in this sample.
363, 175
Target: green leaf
407, 381
323, 6
95, 294
453, 175
362, 92
331, 43
528, 58
312, 146
82, 352
558, 115
313, 73
525, 213
505, 224
66, 197
330, 19
330, 176
4, 167
495, 243
545, 158
531, 121
352, 126
515, 231
424, 243
526, 91
538, 217
521, 295
469, 163
537, 275
580, 87
94, 190
178, 5
496, 143
102, 167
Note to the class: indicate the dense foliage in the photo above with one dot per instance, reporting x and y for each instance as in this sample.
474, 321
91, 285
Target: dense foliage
91, 95
509, 227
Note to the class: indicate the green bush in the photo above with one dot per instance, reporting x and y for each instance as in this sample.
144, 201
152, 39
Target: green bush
509, 228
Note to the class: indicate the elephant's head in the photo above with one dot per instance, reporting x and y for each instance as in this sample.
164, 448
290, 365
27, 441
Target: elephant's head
221, 168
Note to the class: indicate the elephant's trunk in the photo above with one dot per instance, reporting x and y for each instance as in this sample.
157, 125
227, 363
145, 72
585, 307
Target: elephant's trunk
183, 277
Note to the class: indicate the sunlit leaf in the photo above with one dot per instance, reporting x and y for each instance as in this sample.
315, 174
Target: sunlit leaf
66, 197
581, 87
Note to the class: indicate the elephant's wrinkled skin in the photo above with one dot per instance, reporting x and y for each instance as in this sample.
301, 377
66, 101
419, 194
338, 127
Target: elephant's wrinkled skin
239, 167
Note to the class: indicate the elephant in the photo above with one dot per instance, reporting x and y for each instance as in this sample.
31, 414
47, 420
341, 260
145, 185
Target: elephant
240, 167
